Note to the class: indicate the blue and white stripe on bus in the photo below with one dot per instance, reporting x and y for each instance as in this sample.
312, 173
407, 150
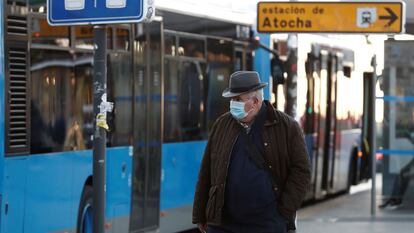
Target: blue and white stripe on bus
393, 152
395, 98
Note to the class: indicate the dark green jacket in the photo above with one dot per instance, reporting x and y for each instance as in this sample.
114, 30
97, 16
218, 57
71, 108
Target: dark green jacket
285, 151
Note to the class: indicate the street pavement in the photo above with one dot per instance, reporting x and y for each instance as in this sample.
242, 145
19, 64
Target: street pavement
352, 214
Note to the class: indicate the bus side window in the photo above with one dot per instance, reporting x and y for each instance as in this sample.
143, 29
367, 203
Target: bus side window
183, 95
61, 101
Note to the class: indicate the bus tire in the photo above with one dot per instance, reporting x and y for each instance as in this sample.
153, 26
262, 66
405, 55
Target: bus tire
85, 220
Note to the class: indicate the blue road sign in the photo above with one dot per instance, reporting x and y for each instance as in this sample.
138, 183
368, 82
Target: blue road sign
75, 12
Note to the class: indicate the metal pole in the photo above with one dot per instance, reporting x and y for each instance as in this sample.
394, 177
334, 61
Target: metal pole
373, 146
99, 139
292, 73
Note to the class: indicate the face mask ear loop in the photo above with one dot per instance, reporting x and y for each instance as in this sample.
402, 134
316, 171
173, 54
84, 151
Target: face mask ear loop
248, 112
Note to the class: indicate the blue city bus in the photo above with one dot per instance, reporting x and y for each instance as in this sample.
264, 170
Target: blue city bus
46, 128
165, 79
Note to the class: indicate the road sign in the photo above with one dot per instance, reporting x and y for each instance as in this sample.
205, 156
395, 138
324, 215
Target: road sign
332, 17
75, 12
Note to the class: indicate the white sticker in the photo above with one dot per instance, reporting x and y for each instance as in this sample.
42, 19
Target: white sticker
104, 97
105, 106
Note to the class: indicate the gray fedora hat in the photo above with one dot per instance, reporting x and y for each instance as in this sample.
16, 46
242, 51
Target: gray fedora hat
242, 82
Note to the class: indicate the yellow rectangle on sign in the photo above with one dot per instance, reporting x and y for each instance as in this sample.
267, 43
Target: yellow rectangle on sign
331, 17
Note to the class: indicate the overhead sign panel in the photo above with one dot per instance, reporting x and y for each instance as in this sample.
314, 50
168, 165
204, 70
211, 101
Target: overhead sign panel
75, 12
331, 17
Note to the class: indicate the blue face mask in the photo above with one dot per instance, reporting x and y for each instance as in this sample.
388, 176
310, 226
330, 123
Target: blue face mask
237, 110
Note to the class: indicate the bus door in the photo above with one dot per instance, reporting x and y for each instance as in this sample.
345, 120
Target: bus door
321, 110
310, 126
320, 123
330, 135
148, 105
326, 125
325, 111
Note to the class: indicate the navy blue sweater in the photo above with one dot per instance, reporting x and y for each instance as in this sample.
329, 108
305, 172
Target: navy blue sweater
250, 202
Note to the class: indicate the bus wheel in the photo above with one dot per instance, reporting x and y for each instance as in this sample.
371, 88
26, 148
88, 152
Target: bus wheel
85, 219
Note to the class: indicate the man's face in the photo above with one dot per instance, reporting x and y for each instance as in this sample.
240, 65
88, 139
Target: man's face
250, 106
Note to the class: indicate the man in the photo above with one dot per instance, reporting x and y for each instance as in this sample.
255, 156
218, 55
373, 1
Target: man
400, 186
255, 171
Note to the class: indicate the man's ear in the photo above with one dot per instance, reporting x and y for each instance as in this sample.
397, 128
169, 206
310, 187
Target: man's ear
256, 101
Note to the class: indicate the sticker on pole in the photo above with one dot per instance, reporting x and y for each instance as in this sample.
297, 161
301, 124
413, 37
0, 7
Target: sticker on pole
78, 12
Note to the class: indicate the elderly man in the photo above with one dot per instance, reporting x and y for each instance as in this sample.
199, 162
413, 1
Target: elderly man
255, 170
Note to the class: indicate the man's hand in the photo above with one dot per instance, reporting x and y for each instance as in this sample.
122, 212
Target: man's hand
202, 227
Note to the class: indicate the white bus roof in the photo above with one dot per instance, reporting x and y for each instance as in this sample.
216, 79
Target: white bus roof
234, 11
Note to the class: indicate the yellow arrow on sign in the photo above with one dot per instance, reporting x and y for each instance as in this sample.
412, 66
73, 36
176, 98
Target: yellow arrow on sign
331, 17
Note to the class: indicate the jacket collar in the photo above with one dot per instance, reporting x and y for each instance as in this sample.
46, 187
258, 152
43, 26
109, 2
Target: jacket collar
272, 116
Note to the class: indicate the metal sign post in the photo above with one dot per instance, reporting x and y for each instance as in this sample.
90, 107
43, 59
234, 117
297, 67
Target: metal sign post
373, 146
100, 107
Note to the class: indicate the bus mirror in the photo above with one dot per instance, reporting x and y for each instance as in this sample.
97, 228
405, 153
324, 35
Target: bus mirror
277, 71
347, 71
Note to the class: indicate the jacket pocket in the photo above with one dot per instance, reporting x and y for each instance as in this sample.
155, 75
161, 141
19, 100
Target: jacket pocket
211, 204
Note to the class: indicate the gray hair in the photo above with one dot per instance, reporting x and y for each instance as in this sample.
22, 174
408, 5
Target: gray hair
257, 93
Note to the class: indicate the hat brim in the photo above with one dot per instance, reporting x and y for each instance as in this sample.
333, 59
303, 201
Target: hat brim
228, 94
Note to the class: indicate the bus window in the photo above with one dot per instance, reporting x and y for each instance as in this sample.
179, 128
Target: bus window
190, 101
169, 44
84, 37
184, 108
120, 93
220, 66
122, 39
190, 47
218, 76
61, 115
238, 61
171, 121
43, 33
